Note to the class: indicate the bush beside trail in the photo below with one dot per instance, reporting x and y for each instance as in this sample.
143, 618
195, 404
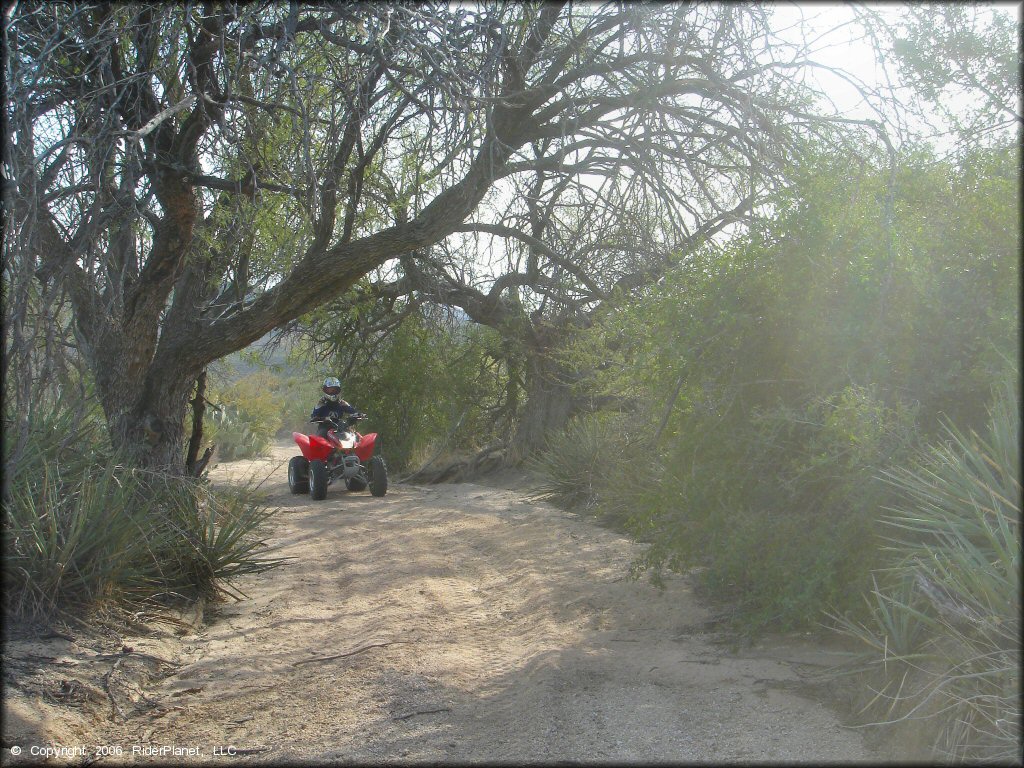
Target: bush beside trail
944, 623
86, 530
818, 361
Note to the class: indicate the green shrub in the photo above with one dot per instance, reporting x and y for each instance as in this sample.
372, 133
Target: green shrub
82, 528
776, 506
947, 613
248, 418
428, 386
601, 466
235, 436
298, 396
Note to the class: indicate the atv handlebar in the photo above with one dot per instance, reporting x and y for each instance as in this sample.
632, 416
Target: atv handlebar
352, 419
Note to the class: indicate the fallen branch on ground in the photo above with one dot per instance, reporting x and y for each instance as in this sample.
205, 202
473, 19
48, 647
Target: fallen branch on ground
461, 470
349, 653
444, 444
115, 709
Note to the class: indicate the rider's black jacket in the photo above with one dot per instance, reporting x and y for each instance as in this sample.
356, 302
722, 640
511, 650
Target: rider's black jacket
330, 409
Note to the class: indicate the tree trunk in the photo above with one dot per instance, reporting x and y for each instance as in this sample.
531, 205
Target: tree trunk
147, 421
196, 438
550, 403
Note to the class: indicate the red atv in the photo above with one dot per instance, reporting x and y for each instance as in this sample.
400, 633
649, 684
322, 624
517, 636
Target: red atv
343, 454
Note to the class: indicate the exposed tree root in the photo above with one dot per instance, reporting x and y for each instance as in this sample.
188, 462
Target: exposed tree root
488, 459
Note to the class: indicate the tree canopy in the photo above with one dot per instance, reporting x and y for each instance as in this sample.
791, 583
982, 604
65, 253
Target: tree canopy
195, 175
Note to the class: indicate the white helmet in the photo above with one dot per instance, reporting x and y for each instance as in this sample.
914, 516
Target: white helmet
332, 388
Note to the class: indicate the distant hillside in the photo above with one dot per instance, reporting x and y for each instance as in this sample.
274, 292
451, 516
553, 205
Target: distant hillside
259, 357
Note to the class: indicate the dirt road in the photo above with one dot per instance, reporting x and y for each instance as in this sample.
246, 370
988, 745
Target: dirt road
465, 623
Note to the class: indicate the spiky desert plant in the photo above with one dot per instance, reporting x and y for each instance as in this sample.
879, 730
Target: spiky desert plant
82, 527
209, 538
948, 624
584, 466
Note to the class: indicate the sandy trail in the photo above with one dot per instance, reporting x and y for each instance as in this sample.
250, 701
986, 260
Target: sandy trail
465, 623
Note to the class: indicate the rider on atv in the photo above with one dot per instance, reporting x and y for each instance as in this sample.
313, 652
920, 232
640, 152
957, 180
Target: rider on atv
331, 406
336, 452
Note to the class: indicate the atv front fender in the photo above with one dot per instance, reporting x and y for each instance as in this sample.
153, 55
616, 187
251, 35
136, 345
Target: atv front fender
313, 447
364, 449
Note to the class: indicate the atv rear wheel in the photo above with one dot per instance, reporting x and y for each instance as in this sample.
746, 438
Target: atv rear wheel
298, 474
378, 476
317, 480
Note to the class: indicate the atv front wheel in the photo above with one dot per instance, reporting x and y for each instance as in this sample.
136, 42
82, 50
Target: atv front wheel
378, 476
298, 474
317, 480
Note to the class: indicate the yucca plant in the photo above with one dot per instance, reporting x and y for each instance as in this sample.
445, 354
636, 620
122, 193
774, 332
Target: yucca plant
592, 461
82, 528
52, 543
58, 435
948, 623
571, 465
214, 537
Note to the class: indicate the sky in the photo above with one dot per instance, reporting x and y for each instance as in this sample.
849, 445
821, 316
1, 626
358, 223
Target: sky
839, 43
